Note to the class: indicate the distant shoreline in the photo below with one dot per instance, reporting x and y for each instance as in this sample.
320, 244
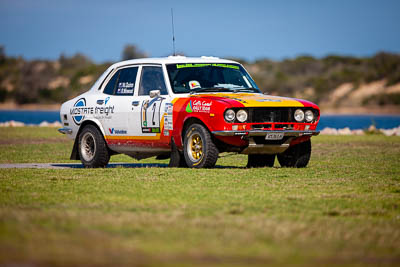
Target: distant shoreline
369, 110
40, 107
372, 110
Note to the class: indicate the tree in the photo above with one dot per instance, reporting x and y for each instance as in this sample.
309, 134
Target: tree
2, 54
77, 61
131, 52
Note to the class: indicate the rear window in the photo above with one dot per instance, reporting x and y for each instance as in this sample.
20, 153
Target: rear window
123, 82
110, 87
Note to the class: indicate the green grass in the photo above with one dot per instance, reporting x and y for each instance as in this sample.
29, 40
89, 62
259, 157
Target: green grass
343, 209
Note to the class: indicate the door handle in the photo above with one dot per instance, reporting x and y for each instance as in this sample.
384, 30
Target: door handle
135, 103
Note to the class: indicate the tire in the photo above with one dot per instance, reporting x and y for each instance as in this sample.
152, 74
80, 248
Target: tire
260, 160
92, 148
198, 148
296, 156
177, 160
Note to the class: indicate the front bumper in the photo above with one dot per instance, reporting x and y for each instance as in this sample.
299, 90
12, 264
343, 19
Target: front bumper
65, 130
267, 148
252, 133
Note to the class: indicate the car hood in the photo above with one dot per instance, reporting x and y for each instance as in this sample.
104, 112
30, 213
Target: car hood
255, 100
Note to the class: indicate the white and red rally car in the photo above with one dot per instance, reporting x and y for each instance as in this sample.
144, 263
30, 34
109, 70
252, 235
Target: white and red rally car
188, 109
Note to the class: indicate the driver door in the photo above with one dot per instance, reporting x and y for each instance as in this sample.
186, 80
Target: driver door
149, 106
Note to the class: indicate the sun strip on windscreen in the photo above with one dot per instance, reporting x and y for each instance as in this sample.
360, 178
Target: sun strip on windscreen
199, 65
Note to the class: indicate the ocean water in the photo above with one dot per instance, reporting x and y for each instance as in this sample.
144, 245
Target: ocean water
332, 121
29, 116
359, 121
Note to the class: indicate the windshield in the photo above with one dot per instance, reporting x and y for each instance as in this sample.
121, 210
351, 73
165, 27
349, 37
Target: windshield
210, 77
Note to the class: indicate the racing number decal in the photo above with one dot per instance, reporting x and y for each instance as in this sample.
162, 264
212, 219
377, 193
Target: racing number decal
153, 122
150, 115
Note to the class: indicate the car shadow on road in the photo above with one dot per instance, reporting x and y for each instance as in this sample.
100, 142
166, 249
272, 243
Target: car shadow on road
128, 165
111, 165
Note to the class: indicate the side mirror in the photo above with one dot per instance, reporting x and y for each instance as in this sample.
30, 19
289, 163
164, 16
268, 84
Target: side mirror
154, 93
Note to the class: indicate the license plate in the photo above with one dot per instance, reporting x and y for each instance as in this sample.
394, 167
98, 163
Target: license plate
274, 136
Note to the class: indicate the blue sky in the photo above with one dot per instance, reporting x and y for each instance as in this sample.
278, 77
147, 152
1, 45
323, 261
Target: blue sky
43, 29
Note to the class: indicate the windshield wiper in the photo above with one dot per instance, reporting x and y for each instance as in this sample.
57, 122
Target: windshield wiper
249, 89
223, 89
210, 89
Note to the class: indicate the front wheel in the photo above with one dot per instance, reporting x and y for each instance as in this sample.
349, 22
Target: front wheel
199, 149
93, 150
296, 156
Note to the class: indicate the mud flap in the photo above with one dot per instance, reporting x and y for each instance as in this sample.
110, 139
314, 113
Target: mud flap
74, 153
177, 159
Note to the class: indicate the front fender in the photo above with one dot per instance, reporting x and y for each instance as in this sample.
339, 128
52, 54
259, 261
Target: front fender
184, 111
178, 132
91, 121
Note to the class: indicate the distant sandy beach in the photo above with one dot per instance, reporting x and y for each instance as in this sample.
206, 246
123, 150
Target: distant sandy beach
44, 107
378, 110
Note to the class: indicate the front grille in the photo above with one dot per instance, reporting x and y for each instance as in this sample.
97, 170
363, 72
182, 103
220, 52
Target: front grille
262, 115
261, 126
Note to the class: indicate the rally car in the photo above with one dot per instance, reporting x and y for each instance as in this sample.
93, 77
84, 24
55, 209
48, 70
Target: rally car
188, 110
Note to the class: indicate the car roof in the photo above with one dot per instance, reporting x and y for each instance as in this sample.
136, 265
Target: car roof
172, 60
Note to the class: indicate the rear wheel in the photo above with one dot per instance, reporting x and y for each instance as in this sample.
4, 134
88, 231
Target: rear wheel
260, 160
199, 149
296, 156
92, 148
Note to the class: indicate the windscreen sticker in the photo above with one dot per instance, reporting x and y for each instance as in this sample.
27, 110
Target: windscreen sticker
194, 85
200, 65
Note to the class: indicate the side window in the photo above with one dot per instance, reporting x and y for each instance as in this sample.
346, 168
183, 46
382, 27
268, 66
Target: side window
152, 79
126, 81
109, 90
122, 83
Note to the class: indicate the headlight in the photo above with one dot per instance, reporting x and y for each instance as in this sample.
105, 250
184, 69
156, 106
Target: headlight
309, 115
230, 115
241, 115
299, 115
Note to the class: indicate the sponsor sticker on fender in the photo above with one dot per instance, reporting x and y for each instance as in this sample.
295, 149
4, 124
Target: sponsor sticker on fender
116, 131
199, 106
168, 118
80, 110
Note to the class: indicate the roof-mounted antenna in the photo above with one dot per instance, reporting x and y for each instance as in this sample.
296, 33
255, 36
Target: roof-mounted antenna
173, 31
